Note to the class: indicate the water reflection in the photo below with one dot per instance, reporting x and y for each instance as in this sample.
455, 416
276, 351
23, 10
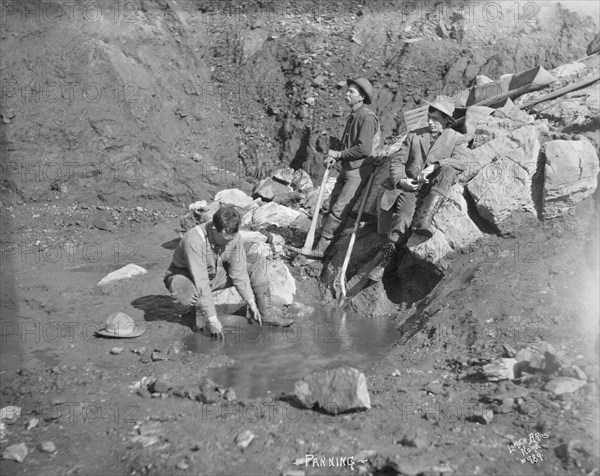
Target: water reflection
271, 359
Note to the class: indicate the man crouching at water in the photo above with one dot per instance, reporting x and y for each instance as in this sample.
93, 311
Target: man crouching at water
211, 256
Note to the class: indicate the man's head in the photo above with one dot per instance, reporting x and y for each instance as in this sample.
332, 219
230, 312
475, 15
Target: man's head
359, 90
439, 114
226, 222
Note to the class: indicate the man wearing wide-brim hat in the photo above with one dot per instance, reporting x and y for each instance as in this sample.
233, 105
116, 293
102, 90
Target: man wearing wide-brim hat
424, 170
359, 139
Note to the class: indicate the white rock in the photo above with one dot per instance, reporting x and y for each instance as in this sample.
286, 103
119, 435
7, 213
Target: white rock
501, 369
128, 271
453, 231
244, 439
570, 175
504, 185
48, 447
16, 452
233, 196
274, 214
10, 413
281, 283
199, 205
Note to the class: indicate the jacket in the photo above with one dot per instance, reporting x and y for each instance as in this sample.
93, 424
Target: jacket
357, 139
450, 149
199, 253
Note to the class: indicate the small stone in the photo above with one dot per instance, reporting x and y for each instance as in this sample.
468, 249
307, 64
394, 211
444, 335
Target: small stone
102, 225
48, 447
561, 385
244, 439
16, 452
143, 392
159, 386
229, 395
10, 414
182, 465
116, 350
158, 356
32, 423
487, 416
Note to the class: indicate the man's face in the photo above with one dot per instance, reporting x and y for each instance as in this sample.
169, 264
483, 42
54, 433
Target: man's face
353, 96
436, 121
223, 238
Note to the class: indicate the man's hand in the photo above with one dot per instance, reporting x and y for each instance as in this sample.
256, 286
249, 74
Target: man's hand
215, 328
254, 312
426, 172
408, 184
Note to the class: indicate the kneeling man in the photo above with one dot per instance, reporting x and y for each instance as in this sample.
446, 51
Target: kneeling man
211, 256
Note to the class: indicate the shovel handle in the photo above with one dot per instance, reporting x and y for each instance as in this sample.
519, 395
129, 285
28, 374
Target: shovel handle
310, 238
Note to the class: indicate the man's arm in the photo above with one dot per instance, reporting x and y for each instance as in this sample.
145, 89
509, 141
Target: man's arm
458, 157
398, 162
196, 258
364, 142
238, 271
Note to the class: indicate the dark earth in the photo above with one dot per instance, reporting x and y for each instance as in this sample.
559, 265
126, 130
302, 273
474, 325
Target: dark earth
118, 115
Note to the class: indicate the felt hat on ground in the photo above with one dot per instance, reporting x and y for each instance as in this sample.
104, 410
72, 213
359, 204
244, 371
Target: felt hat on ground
364, 86
444, 104
120, 325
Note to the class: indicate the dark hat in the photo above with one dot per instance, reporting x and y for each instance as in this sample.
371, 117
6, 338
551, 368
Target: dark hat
365, 87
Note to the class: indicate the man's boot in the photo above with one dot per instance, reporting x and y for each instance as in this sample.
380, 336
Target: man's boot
385, 256
330, 225
422, 223
269, 314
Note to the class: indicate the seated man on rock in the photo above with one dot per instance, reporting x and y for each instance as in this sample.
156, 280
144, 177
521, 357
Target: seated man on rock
424, 169
211, 256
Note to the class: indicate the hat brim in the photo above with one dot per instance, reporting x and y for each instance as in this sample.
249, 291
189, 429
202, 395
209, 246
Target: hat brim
135, 332
368, 99
442, 110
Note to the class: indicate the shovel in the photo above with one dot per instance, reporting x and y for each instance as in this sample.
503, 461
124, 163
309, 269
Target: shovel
352, 240
310, 238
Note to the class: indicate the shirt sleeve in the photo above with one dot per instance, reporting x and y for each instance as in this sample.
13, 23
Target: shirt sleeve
398, 162
237, 269
196, 258
364, 142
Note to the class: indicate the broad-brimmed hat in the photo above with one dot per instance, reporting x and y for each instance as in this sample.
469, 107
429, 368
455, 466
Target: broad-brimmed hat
120, 325
365, 87
444, 104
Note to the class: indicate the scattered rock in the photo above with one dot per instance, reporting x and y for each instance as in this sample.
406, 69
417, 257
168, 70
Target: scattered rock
269, 188
501, 369
486, 416
234, 197
16, 452
116, 350
560, 385
128, 271
158, 356
301, 181
244, 439
102, 225
414, 439
143, 392
274, 214
182, 465
281, 283
160, 385
48, 447
334, 391
10, 414
570, 175
32, 423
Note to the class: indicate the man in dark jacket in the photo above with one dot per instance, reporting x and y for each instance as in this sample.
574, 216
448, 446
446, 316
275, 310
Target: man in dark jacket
425, 167
212, 256
360, 132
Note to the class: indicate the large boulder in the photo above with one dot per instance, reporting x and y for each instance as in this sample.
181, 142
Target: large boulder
334, 391
234, 197
505, 183
270, 188
524, 143
453, 231
570, 175
281, 283
274, 214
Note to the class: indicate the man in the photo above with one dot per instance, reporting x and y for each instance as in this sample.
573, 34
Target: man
211, 256
426, 167
357, 142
